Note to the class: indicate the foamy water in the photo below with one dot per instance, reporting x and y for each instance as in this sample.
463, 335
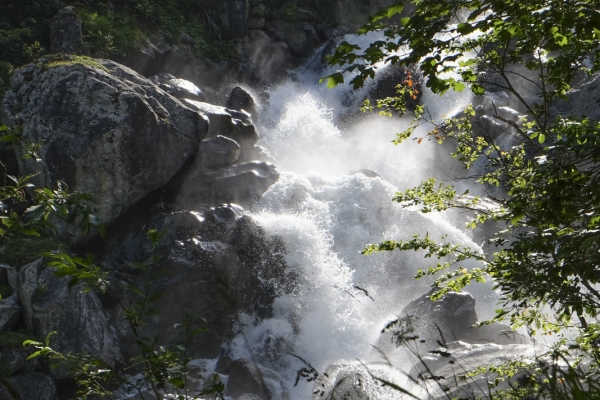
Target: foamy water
326, 213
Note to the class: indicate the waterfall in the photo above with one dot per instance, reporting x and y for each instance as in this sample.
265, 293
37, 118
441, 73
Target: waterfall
326, 212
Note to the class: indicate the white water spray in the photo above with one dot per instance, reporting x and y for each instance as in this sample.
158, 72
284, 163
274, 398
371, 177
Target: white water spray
326, 213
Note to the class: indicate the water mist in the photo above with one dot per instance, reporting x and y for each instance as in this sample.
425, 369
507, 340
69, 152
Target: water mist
334, 197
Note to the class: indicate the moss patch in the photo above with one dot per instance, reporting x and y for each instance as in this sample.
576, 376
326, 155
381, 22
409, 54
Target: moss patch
57, 60
19, 251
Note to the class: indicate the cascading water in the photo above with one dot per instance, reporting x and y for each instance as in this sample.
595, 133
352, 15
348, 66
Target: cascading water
326, 212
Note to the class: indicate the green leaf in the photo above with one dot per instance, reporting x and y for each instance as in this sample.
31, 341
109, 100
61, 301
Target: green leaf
9, 138
397, 9
464, 28
477, 89
177, 382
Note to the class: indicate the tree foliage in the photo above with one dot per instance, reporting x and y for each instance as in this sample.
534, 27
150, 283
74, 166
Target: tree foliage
545, 261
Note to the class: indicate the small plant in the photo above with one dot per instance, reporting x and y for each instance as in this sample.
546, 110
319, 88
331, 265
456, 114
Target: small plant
163, 367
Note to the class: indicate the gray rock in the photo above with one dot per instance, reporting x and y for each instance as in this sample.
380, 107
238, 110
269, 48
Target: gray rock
180, 88
457, 358
301, 37
216, 264
431, 324
265, 60
105, 131
243, 183
219, 152
256, 23
29, 386
65, 32
10, 311
583, 99
246, 381
240, 99
233, 124
13, 359
50, 304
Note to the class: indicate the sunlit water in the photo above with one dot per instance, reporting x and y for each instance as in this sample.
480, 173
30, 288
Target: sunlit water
326, 214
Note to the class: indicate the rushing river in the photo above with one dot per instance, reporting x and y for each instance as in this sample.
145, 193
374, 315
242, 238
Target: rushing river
326, 212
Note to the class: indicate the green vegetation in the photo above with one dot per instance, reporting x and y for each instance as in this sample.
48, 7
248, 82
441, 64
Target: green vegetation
544, 190
57, 60
110, 29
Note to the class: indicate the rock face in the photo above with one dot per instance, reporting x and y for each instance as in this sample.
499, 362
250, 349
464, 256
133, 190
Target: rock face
50, 304
265, 60
447, 320
582, 99
103, 129
65, 32
246, 381
218, 152
216, 264
10, 311
33, 385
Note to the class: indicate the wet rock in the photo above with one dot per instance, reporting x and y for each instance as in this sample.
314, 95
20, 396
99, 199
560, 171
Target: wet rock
10, 311
243, 183
32, 385
246, 381
218, 152
50, 304
240, 99
438, 369
431, 324
65, 32
104, 130
366, 172
355, 382
217, 264
233, 124
176, 87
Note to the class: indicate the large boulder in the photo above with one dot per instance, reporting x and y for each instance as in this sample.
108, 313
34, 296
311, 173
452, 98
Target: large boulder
216, 264
427, 325
50, 304
102, 129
